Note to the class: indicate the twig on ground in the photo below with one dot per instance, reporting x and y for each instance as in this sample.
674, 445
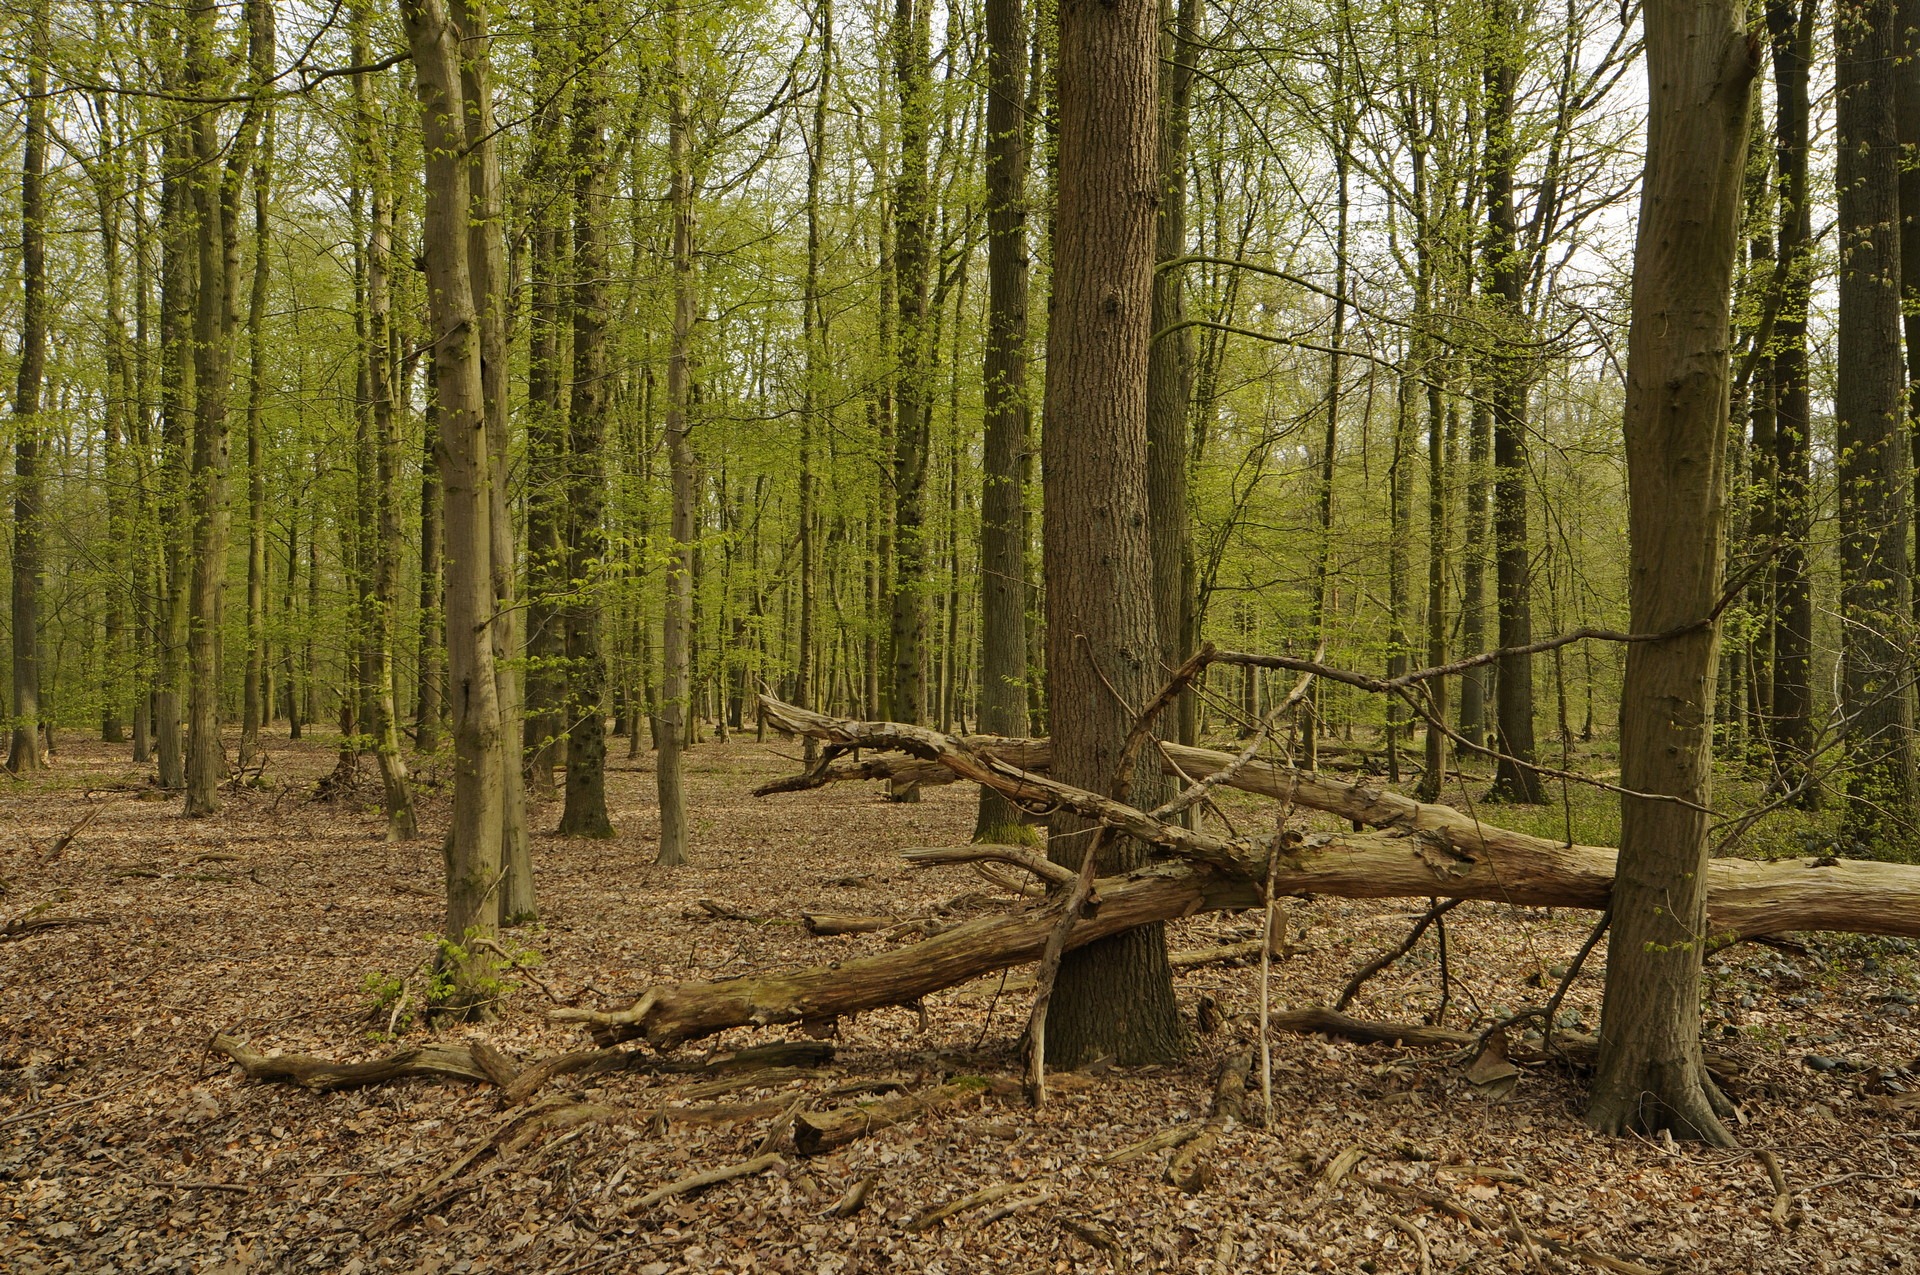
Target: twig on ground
699, 1181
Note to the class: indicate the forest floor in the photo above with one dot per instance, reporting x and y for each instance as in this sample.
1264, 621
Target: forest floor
127, 1145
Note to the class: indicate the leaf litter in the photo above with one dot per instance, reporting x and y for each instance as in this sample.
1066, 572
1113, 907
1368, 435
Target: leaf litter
128, 1145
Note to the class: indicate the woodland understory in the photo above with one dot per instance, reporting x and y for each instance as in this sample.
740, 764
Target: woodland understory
128, 1144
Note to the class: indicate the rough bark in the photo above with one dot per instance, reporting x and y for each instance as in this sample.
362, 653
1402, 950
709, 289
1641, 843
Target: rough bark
1003, 529
1506, 390
675, 691
1700, 71
585, 814
23, 751
1875, 468
1170, 367
255, 704
913, 381
1117, 997
1790, 26
546, 412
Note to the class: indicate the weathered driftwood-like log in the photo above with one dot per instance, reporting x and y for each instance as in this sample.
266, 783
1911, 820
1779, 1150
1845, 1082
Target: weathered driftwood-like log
323, 1074
1425, 851
1745, 898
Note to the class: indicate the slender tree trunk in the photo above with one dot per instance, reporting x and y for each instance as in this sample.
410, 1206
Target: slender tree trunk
1875, 468
585, 814
487, 267
1170, 365
432, 642
1514, 777
1116, 996
23, 751
1003, 523
178, 274
813, 319
675, 690
215, 186
1790, 25
913, 219
1700, 68
122, 458
546, 500
1400, 556
474, 841
1907, 125
255, 706
1311, 710
385, 544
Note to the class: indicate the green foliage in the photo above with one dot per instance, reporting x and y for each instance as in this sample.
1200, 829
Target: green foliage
450, 978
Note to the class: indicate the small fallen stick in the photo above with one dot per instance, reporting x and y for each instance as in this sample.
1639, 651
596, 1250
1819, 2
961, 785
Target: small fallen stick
1164, 1140
780, 1126
1782, 1197
853, 1199
1413, 1232
699, 1181
986, 1195
1014, 1206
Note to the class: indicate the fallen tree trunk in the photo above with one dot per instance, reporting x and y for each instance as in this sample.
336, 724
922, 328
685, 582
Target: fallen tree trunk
1427, 851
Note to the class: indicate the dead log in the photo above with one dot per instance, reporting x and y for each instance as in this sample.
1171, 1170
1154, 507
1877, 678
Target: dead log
828, 924
1427, 851
323, 1074
817, 1132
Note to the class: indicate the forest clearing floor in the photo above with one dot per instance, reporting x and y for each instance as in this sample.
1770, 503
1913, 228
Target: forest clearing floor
127, 1145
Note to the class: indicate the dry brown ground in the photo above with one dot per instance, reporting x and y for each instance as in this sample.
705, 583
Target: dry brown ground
125, 1145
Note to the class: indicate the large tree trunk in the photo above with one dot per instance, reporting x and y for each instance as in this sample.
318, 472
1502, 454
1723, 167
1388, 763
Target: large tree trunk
23, 750
1115, 997
473, 846
1700, 71
1003, 522
585, 814
1876, 476
1790, 26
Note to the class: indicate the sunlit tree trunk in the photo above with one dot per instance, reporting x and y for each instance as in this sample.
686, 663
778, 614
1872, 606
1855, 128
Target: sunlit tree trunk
474, 840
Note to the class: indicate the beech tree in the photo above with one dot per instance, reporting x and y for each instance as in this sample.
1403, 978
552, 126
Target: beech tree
1700, 72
